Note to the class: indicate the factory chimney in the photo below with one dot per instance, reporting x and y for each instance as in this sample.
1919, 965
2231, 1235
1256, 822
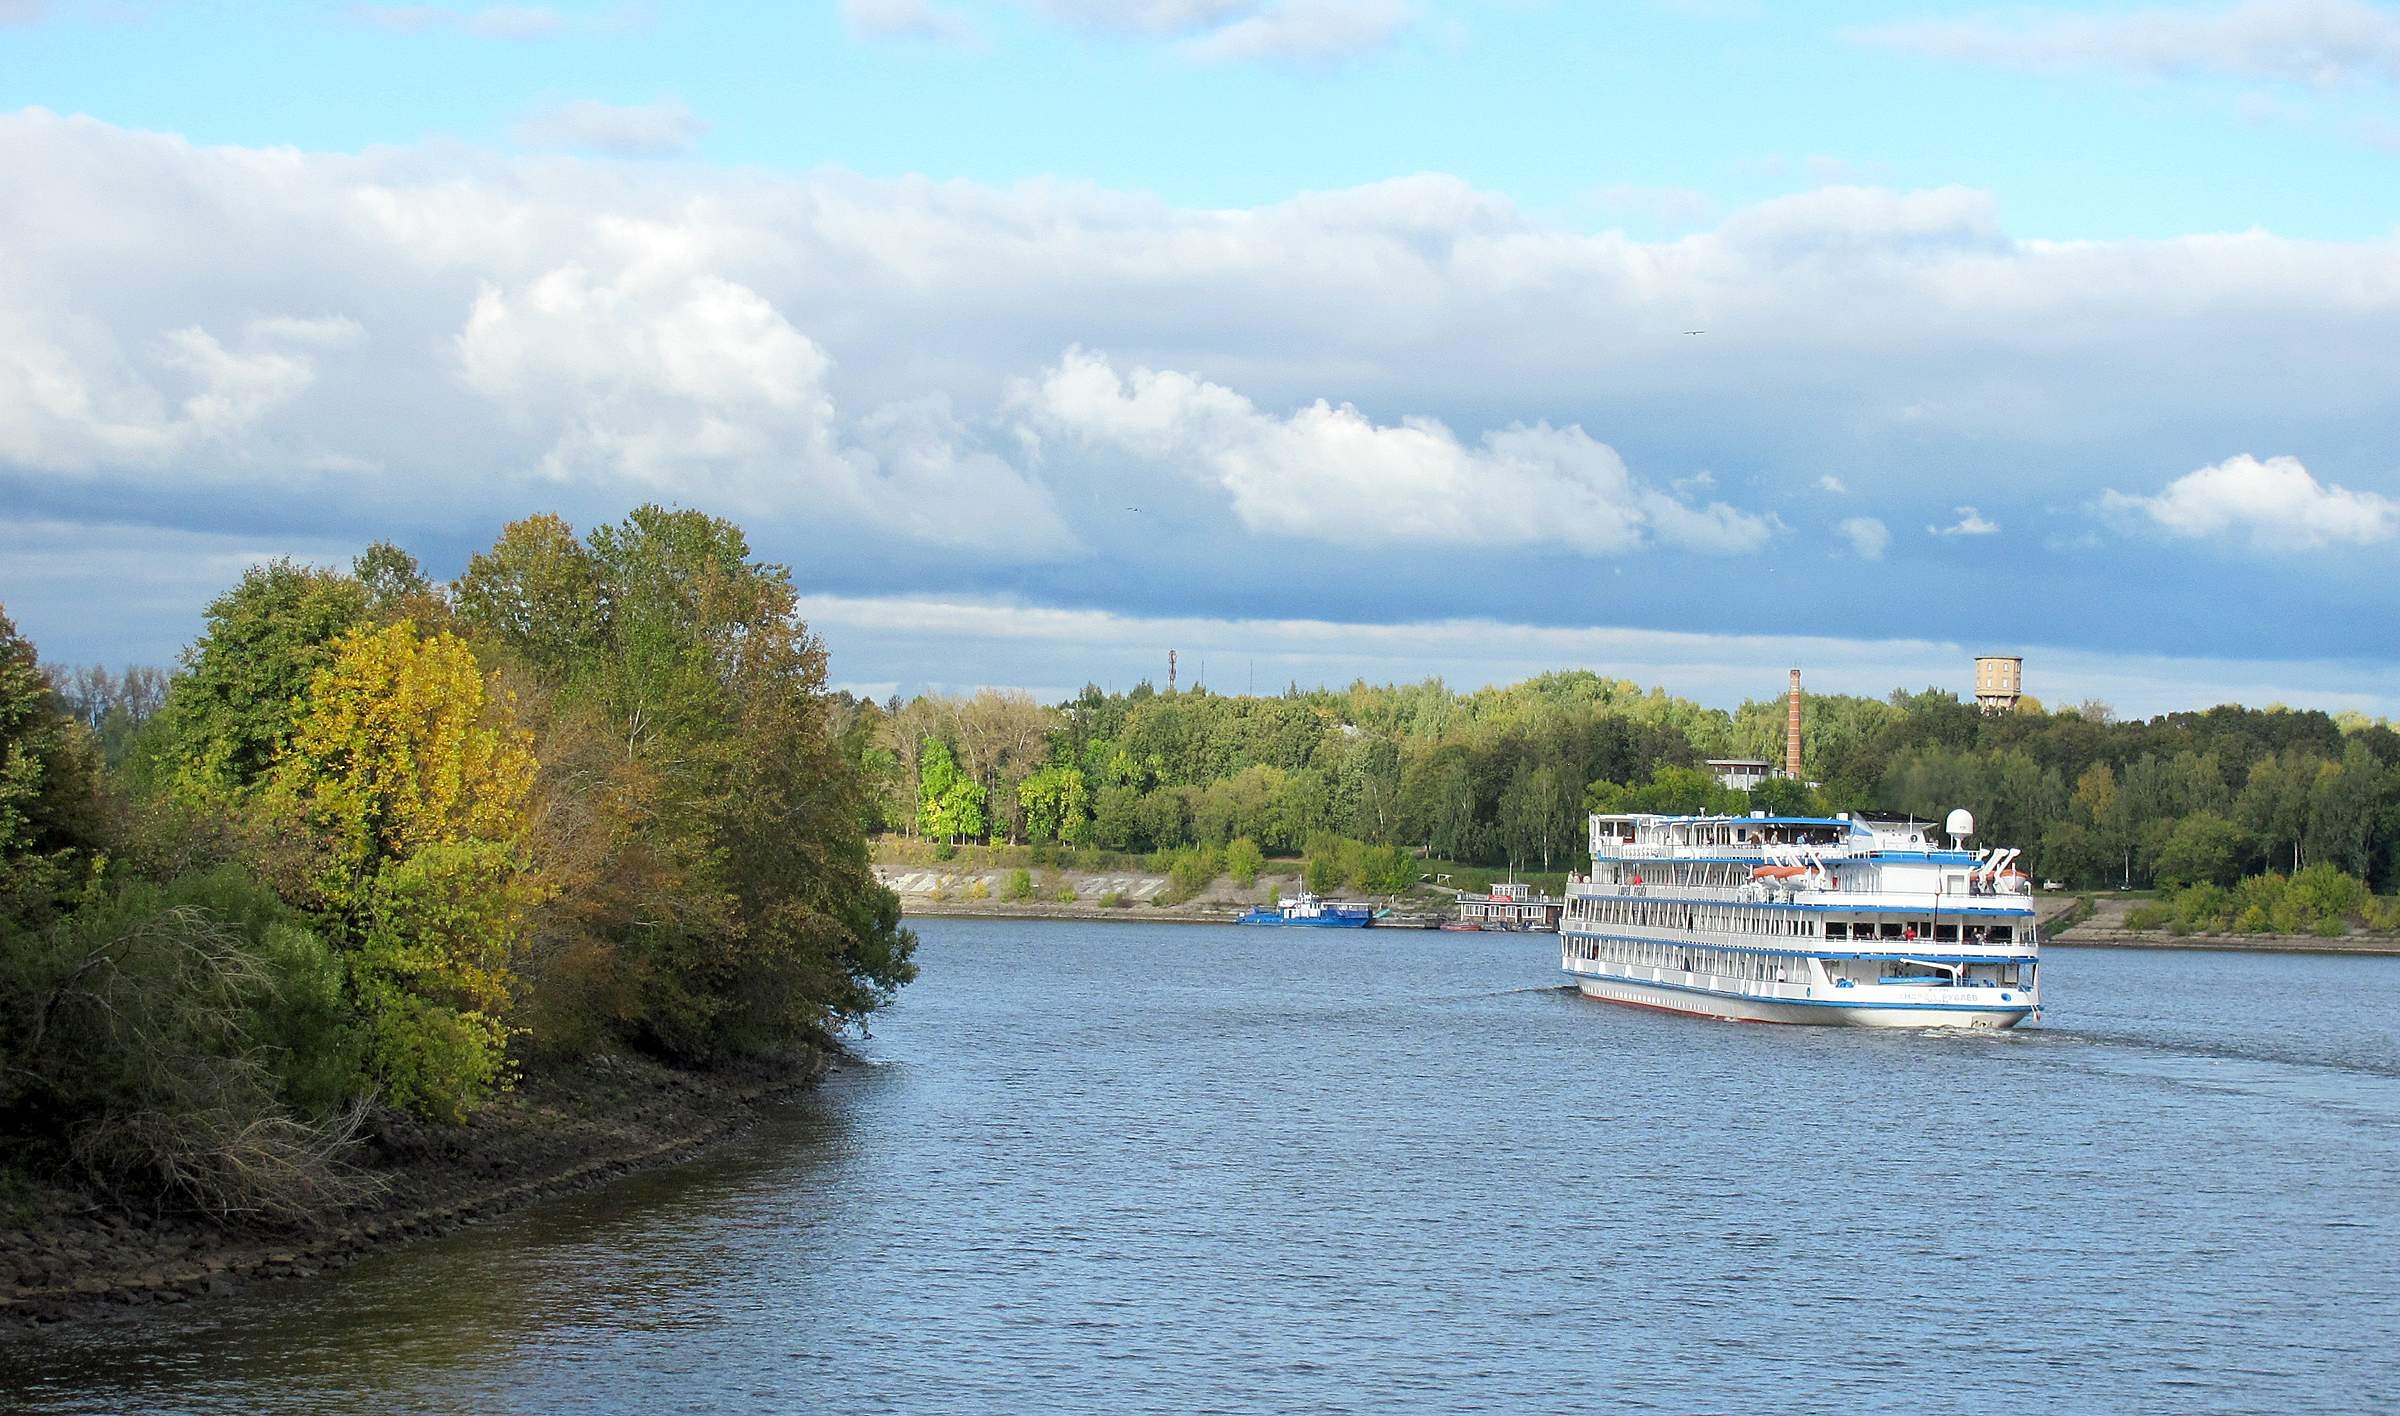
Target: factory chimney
1791, 733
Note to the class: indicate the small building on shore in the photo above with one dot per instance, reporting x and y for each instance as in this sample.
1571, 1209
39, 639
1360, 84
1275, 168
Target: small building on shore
1741, 773
1510, 906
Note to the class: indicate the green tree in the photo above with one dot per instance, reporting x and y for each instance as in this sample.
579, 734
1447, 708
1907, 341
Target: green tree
1243, 861
1056, 804
2202, 847
230, 711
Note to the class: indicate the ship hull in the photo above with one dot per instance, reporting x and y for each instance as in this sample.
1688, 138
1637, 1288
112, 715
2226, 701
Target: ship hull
1708, 1003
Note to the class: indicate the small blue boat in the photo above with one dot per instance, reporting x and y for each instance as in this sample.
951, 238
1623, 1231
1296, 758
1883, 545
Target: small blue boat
1308, 911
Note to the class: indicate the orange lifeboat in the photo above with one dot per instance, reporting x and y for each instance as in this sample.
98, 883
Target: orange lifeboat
1777, 872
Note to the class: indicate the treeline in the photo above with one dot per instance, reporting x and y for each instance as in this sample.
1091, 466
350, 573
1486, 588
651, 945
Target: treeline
381, 843
1505, 775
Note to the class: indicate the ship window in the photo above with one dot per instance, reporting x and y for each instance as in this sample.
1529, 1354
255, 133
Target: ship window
2001, 934
1946, 933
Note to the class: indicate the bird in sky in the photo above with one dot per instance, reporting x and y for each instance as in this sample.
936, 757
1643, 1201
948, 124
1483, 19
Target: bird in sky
1695, 331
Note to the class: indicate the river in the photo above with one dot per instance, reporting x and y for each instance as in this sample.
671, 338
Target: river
1127, 1167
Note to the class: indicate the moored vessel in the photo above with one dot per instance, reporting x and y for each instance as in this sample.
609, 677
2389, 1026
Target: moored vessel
1309, 911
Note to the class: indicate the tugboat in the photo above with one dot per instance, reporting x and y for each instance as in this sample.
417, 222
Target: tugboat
1309, 911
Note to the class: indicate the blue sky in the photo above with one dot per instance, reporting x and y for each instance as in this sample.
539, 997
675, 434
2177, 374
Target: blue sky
2054, 328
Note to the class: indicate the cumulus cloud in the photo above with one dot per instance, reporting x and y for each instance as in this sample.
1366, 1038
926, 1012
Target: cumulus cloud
681, 383
835, 357
909, 19
2273, 505
1833, 484
2302, 41
1868, 537
1970, 523
618, 129
1329, 473
69, 404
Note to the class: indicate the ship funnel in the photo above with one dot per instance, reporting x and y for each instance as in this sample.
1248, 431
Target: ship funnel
1791, 733
1961, 824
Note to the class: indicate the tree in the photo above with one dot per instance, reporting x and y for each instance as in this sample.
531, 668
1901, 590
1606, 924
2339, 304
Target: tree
49, 787
1243, 861
2203, 847
230, 711
952, 804
408, 780
1055, 804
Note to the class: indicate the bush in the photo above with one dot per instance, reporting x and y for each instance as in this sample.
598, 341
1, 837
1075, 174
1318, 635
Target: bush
2150, 914
1020, 886
1189, 872
1243, 861
1114, 900
979, 889
1066, 893
186, 1040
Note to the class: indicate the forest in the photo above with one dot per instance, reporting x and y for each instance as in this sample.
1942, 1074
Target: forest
1505, 775
380, 846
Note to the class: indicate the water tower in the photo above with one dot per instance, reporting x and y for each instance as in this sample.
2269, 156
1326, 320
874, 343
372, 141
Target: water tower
1999, 683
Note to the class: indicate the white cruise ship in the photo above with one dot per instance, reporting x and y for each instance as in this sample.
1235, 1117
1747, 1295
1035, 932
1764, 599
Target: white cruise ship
1843, 919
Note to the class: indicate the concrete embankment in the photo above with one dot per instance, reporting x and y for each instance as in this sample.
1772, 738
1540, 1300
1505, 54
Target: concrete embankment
2107, 926
1104, 895
68, 1254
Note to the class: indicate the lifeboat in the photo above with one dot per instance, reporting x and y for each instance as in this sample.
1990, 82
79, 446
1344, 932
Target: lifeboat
1778, 872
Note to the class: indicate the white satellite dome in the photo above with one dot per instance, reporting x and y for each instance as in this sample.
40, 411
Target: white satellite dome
1961, 823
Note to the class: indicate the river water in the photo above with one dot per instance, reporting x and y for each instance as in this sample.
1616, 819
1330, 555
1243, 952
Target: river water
1129, 1167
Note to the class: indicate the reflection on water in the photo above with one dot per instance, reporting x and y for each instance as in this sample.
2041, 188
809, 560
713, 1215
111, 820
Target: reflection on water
1188, 1168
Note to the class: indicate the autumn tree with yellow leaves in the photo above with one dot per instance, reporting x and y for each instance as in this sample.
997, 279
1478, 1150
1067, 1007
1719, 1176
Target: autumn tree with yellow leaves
407, 777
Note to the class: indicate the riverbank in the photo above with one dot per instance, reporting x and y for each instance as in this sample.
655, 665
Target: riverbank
2106, 924
72, 1254
1123, 896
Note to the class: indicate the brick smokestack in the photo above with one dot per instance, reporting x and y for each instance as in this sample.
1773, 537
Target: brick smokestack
1791, 733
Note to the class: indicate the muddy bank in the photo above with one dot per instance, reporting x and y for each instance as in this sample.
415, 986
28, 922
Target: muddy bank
67, 1254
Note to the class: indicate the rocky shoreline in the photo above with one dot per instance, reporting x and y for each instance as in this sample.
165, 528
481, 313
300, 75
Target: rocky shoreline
78, 1256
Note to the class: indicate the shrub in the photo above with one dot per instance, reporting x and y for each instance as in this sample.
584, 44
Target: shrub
1114, 900
2150, 914
1243, 861
1020, 886
189, 1040
1066, 893
979, 889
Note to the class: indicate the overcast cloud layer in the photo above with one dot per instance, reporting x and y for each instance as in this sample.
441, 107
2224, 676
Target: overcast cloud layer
1854, 413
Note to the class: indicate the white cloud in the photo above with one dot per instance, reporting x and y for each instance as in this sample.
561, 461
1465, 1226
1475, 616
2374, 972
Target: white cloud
1970, 523
482, 21
1294, 31
1304, 31
896, 317
1329, 473
909, 19
1833, 484
2302, 41
619, 129
71, 404
1867, 536
952, 641
2274, 505
680, 382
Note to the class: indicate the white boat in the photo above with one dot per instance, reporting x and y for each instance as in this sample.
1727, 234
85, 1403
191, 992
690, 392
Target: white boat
1782, 919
